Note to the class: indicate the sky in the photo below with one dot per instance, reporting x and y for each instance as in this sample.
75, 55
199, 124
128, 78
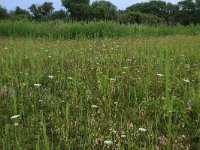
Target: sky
121, 4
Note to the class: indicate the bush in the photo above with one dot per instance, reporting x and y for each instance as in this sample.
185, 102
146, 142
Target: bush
140, 18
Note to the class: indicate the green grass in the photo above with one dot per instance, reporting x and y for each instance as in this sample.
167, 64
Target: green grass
142, 82
91, 30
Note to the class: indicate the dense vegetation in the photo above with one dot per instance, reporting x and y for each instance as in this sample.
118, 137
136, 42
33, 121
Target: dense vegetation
153, 12
130, 93
91, 30
117, 84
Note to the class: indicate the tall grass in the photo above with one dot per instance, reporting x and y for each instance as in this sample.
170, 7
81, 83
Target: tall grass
126, 93
76, 30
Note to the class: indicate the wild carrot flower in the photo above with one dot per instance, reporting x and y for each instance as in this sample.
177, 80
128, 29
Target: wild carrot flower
142, 129
94, 106
123, 135
186, 81
69, 78
15, 116
112, 80
125, 68
108, 142
160, 75
37, 85
50, 77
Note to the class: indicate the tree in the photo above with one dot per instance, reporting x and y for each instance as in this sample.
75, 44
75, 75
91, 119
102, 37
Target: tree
140, 18
171, 10
60, 14
46, 9
34, 9
19, 13
103, 10
3, 13
157, 8
78, 9
67, 3
197, 11
186, 14
41, 11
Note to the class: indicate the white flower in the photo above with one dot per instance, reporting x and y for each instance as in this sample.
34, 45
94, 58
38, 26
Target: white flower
6, 48
185, 80
37, 85
107, 142
160, 75
50, 77
41, 101
94, 106
16, 124
123, 135
125, 68
15, 116
112, 79
70, 78
142, 129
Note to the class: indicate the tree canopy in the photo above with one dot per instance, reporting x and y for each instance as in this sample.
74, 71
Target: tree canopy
155, 11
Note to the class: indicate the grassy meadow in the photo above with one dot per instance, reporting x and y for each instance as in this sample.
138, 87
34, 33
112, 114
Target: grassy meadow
111, 93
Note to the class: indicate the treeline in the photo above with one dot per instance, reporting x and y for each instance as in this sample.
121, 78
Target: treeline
153, 12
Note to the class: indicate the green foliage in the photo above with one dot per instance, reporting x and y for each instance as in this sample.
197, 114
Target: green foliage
140, 18
186, 14
103, 10
67, 3
19, 14
80, 11
61, 30
46, 8
34, 9
41, 11
3, 13
157, 8
60, 14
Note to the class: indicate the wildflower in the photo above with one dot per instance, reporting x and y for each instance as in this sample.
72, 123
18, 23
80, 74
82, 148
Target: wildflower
15, 116
112, 79
107, 142
142, 129
70, 78
186, 81
37, 85
125, 68
94, 106
41, 101
183, 136
123, 72
50, 77
123, 135
160, 75
16, 124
